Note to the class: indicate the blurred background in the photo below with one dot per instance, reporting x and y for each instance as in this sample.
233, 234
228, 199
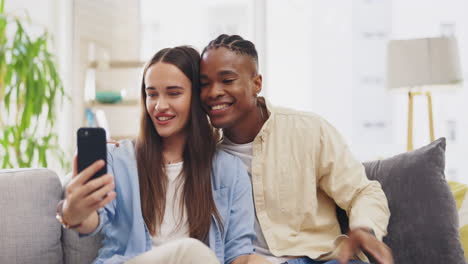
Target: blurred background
324, 56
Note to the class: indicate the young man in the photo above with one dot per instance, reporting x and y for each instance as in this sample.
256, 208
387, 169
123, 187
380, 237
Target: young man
299, 165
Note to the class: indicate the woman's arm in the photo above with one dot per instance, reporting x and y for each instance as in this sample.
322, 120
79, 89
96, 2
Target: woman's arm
240, 232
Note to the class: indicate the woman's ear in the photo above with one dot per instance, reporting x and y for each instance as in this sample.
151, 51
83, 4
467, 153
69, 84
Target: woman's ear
257, 80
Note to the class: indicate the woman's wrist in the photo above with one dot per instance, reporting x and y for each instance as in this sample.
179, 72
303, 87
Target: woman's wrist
63, 218
90, 224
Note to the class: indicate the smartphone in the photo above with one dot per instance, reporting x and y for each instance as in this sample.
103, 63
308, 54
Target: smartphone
91, 143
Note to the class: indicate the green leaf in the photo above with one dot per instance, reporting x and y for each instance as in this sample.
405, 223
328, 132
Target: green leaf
6, 161
42, 156
31, 146
26, 117
7, 101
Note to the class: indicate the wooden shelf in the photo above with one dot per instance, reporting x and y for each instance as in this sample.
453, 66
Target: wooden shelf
120, 64
124, 103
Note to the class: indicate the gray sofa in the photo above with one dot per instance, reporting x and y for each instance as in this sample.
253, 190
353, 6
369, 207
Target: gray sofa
423, 227
29, 232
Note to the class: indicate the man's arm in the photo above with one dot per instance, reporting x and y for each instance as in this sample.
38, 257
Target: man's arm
343, 178
359, 239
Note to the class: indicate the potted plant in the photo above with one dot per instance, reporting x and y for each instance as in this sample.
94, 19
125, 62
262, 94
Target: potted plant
30, 88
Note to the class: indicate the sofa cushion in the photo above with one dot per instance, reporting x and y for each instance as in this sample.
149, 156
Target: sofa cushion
76, 249
423, 225
29, 232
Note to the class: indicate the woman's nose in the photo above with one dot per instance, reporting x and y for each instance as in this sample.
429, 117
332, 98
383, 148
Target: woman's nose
161, 105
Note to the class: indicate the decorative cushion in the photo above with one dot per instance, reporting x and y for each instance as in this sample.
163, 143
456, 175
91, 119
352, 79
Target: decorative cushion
423, 225
29, 232
459, 191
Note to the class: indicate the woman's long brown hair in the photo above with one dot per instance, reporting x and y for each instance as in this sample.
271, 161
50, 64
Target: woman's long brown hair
198, 154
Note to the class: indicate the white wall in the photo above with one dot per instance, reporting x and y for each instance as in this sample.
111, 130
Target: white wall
309, 58
166, 24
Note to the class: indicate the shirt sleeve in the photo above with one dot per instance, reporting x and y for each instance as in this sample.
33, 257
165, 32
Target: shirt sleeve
108, 211
240, 233
343, 178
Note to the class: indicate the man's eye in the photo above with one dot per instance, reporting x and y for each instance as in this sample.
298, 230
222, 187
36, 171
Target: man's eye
174, 94
228, 81
203, 84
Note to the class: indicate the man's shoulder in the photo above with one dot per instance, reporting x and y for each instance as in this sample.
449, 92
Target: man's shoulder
298, 118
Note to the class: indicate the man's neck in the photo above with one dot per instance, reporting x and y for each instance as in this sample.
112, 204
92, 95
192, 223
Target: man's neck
248, 129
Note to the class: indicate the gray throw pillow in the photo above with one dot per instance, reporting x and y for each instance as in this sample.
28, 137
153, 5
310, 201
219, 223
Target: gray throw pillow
423, 225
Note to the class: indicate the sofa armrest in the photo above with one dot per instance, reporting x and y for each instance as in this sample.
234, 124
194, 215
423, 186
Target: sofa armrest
28, 228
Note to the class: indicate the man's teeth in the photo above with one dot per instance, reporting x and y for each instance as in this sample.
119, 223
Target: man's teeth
164, 118
219, 107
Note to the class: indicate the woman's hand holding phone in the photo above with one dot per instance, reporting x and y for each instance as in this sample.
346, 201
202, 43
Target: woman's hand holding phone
84, 196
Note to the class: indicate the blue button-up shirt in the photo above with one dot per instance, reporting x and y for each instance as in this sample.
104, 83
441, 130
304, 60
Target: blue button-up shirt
125, 232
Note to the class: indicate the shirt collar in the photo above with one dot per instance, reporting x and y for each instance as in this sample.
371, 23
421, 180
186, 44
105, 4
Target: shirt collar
267, 126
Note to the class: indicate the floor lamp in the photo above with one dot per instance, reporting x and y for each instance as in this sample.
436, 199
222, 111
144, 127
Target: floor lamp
419, 65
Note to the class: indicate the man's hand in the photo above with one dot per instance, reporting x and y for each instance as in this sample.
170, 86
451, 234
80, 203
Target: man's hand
361, 239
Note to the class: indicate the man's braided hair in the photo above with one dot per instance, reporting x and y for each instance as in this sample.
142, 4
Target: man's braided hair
234, 43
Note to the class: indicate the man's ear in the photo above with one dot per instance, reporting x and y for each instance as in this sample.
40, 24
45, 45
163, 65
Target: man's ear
257, 80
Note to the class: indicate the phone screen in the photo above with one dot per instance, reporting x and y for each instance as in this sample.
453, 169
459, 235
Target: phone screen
91, 143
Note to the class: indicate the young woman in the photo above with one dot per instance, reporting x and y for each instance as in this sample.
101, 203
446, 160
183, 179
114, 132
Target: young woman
170, 189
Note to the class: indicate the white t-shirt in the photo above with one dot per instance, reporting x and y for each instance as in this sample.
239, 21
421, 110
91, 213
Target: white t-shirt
174, 225
244, 152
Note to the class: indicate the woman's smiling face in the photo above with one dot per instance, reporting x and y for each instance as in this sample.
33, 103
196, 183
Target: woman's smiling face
168, 97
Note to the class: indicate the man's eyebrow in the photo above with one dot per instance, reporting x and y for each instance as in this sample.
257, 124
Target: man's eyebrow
221, 73
226, 72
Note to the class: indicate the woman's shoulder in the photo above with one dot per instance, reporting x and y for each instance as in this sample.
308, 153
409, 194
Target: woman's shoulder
224, 159
124, 148
121, 157
226, 169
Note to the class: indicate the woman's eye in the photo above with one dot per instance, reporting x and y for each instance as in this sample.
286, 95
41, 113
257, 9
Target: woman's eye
203, 84
152, 95
174, 94
228, 81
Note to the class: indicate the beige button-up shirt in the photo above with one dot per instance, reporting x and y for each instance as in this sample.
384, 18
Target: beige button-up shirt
301, 167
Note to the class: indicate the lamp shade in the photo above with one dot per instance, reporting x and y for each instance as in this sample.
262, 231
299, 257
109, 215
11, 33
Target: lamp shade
423, 62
